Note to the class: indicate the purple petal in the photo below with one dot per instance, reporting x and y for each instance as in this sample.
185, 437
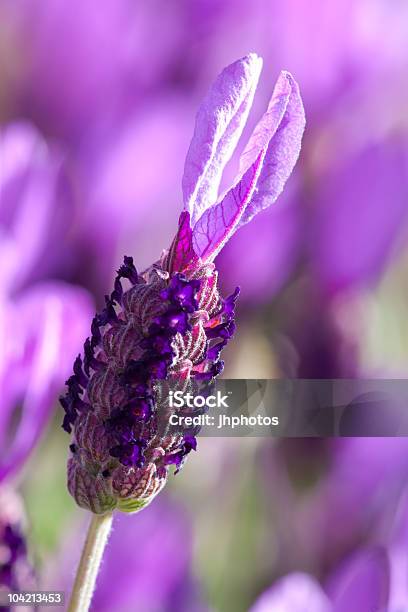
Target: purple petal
362, 584
28, 183
48, 325
266, 164
293, 593
219, 124
280, 132
218, 223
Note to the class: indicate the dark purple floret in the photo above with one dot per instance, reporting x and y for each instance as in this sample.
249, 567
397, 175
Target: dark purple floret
74, 386
81, 378
223, 330
131, 453
72, 402
123, 421
70, 413
108, 314
121, 425
181, 292
117, 293
230, 301
90, 360
69, 419
128, 270
141, 408
214, 352
189, 443
170, 323
95, 332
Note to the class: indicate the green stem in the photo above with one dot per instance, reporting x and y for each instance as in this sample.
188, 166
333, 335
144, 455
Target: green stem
91, 558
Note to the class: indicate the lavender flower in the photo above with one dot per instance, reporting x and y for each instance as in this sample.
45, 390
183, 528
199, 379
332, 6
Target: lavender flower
171, 321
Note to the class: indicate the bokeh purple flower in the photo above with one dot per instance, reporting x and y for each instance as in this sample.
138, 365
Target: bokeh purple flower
41, 323
48, 321
373, 578
35, 208
47, 318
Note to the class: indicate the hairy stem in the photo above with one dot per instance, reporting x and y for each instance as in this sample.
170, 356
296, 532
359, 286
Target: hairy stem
91, 558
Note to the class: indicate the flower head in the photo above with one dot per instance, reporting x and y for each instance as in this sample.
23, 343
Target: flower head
170, 322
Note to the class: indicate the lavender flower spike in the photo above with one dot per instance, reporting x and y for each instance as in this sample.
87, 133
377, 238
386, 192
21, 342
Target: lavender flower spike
171, 322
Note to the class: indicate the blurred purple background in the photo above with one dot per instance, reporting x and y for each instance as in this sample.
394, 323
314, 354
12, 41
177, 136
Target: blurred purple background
97, 106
